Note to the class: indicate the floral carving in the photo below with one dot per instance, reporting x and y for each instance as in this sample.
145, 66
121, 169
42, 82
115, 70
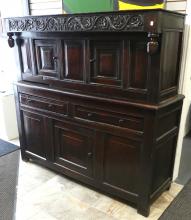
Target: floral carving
119, 22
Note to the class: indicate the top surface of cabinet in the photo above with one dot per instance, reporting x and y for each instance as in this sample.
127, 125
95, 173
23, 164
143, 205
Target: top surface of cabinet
123, 21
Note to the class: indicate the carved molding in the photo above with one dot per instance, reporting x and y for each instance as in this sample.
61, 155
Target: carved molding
70, 23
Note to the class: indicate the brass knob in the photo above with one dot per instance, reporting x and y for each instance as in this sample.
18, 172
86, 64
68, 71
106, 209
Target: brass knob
28, 101
121, 121
54, 58
90, 154
90, 115
92, 60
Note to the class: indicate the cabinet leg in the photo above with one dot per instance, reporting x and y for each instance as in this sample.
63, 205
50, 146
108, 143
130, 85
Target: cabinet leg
168, 188
24, 158
144, 209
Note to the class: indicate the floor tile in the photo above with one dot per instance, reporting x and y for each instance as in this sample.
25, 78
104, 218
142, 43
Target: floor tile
85, 194
109, 205
42, 215
49, 196
66, 207
94, 214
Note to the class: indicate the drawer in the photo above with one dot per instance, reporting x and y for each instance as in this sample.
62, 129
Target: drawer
44, 104
107, 117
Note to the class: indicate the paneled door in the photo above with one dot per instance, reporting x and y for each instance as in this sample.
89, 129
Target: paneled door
74, 68
120, 163
74, 147
34, 134
47, 57
106, 62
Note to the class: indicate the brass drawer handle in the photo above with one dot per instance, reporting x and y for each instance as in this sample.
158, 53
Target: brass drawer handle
90, 154
55, 58
92, 60
121, 121
28, 101
90, 115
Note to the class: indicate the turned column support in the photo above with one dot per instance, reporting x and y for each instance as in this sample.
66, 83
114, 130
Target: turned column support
153, 44
11, 41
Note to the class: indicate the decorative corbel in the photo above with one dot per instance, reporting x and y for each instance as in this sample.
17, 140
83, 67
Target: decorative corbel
153, 44
11, 41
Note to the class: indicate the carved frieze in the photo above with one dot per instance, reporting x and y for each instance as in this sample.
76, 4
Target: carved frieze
70, 23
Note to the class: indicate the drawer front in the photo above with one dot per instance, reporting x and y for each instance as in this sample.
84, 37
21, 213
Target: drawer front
44, 104
111, 118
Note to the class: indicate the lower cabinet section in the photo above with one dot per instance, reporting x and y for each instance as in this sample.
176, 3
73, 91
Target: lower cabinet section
130, 163
74, 148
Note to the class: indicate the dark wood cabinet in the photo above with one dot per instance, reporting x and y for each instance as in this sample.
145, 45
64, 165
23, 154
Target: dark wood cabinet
97, 100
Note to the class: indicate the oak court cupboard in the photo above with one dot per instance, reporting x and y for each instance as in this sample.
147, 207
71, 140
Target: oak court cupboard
97, 98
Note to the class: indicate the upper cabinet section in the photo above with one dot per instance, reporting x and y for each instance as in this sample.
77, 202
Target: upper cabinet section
132, 55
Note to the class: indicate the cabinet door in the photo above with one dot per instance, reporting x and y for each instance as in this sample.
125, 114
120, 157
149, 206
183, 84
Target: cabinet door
47, 57
106, 62
120, 161
74, 147
34, 134
74, 60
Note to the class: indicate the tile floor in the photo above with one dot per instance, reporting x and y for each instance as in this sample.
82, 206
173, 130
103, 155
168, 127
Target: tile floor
45, 195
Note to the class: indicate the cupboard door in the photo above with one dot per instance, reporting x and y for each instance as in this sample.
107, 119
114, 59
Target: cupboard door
105, 61
47, 57
74, 147
34, 134
120, 160
74, 60
139, 65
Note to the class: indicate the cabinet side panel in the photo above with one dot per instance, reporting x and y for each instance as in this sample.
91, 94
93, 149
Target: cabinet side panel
165, 145
170, 62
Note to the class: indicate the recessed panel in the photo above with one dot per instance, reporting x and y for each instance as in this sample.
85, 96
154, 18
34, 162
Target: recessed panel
171, 59
33, 131
47, 57
121, 162
105, 62
26, 56
163, 162
138, 65
74, 147
74, 60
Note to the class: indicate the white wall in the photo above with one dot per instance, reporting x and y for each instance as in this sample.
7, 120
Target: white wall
11, 8
8, 66
42, 7
185, 88
176, 5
